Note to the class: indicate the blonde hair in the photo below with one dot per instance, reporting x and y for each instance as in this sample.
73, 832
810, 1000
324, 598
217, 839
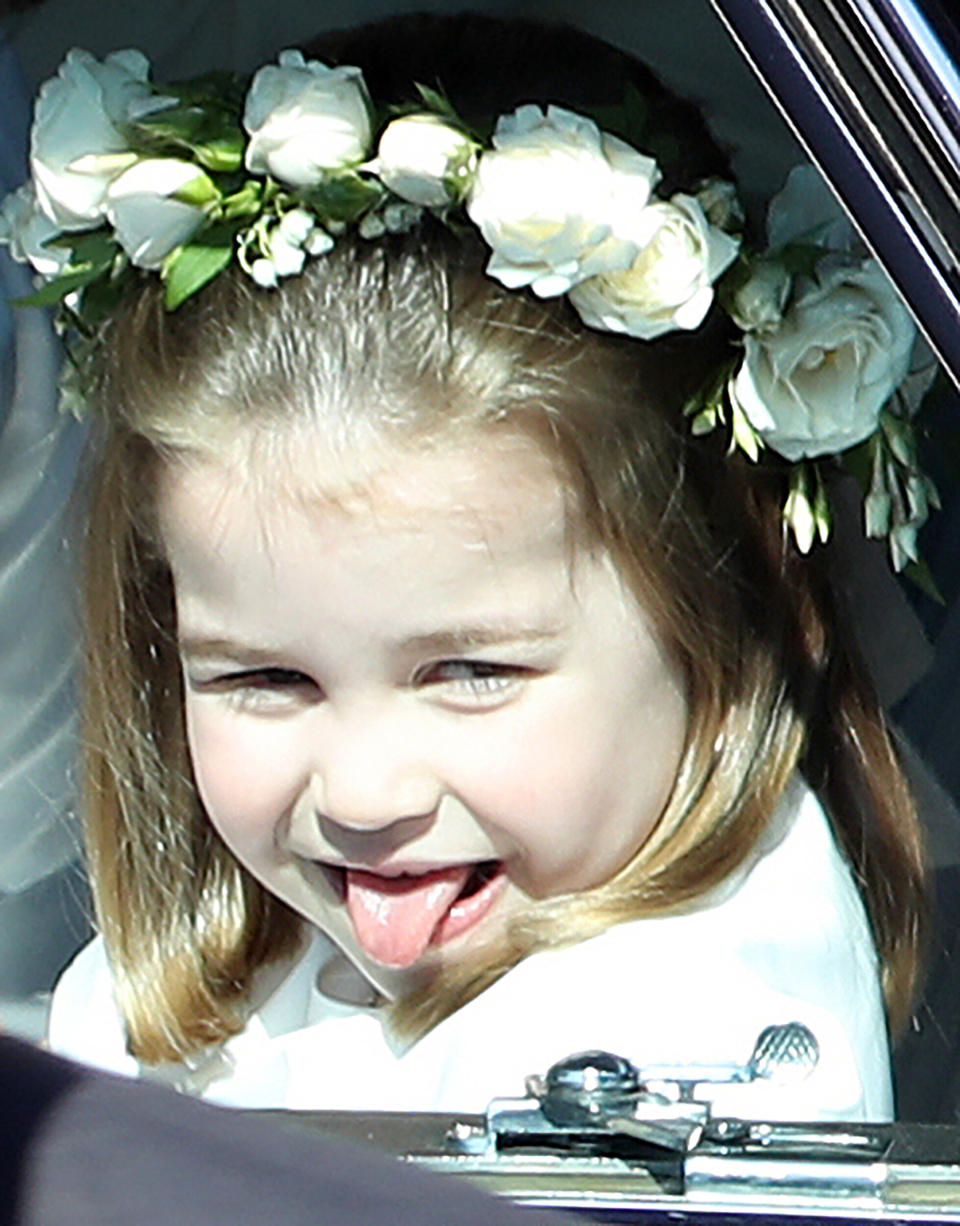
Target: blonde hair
409, 338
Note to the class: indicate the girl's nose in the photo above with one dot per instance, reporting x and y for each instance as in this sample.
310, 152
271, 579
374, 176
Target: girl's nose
370, 773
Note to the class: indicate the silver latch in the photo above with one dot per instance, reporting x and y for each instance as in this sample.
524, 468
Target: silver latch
785, 1054
596, 1094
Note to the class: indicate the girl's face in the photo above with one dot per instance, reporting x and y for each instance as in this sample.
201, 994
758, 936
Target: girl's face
414, 710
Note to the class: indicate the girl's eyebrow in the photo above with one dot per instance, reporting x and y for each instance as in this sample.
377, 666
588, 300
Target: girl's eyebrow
198, 647
447, 641
466, 638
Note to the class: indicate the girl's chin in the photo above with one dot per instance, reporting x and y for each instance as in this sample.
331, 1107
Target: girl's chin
350, 976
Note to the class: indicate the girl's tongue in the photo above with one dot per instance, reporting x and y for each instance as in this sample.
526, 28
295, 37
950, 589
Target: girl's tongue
395, 917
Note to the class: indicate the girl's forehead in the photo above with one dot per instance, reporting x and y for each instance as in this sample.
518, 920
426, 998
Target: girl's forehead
490, 477
481, 528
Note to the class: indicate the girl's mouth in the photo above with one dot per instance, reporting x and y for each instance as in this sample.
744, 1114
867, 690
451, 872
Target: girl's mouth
397, 918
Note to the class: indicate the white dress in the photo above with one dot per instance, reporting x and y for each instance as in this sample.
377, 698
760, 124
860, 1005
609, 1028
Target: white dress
788, 940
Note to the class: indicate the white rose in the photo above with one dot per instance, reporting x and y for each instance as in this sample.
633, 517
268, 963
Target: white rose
558, 200
816, 384
669, 285
305, 119
806, 210
77, 141
148, 218
26, 228
419, 155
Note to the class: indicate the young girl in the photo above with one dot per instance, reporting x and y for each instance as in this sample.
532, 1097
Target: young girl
451, 705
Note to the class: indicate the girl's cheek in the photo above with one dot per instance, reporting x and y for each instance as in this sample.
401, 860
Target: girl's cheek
237, 771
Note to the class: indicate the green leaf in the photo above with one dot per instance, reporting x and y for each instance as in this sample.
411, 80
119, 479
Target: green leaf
209, 135
245, 202
822, 511
200, 191
461, 172
345, 197
177, 124
920, 574
100, 298
743, 434
93, 246
436, 101
218, 88
222, 155
899, 437
57, 289
733, 280
704, 421
92, 255
191, 267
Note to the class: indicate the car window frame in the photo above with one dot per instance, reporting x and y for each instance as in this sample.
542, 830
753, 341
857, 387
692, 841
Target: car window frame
856, 82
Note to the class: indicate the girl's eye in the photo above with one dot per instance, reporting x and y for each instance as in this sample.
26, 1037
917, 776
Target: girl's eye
260, 687
271, 678
474, 680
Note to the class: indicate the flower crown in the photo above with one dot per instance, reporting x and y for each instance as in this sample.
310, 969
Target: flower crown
186, 179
